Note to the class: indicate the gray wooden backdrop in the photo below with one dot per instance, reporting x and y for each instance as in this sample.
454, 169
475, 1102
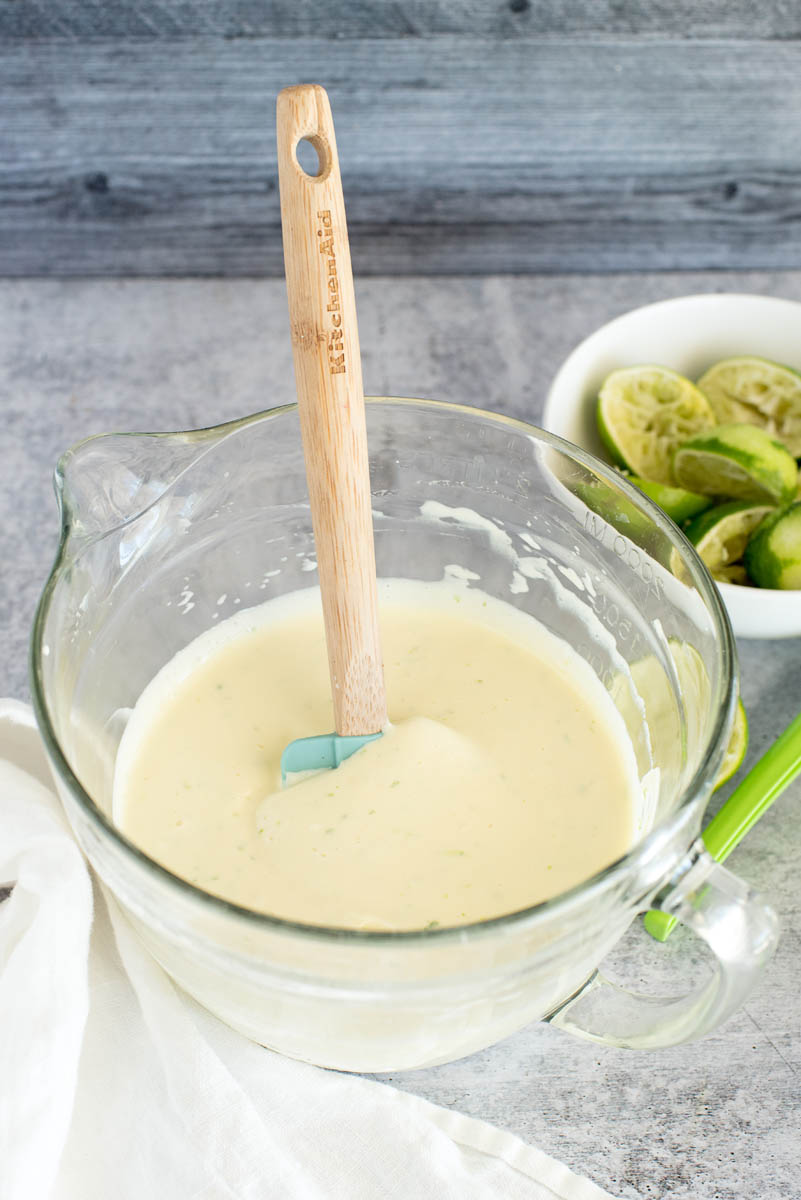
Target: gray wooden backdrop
136, 136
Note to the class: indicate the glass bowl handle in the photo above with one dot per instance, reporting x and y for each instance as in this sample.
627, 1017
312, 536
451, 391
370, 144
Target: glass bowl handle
740, 929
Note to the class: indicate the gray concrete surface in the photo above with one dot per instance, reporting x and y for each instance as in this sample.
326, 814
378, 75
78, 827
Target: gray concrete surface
719, 1120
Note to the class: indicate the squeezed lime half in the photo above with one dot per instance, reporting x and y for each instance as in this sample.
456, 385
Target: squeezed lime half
757, 392
721, 534
736, 573
738, 461
679, 504
773, 555
645, 413
735, 751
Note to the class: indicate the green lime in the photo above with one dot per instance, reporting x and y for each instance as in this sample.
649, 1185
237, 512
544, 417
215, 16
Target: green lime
738, 744
720, 535
678, 504
659, 924
736, 573
644, 413
740, 461
614, 508
773, 555
757, 392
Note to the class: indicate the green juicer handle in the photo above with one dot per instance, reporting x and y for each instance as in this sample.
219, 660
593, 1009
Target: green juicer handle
752, 797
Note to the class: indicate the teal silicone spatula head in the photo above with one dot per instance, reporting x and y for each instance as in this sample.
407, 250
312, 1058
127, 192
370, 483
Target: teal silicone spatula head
328, 376
322, 752
752, 797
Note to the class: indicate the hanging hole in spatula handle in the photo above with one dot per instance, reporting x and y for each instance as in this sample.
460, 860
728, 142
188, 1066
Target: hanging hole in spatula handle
313, 156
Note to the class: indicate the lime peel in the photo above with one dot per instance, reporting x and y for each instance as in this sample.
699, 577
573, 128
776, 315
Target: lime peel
721, 534
756, 391
738, 461
644, 413
679, 504
773, 555
735, 751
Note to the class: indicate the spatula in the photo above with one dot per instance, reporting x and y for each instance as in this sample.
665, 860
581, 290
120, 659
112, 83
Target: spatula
328, 376
753, 796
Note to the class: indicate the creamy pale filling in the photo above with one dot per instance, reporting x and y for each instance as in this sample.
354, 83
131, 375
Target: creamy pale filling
505, 777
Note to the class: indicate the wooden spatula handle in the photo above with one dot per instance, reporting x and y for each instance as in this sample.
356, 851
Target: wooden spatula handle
325, 345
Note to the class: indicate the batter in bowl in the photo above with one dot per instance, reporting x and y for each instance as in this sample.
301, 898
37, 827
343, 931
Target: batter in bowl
505, 777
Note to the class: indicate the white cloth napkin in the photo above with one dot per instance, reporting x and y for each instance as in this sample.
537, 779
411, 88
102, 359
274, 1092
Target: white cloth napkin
114, 1083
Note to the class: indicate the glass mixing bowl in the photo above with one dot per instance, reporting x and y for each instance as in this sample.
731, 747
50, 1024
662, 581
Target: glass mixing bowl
164, 534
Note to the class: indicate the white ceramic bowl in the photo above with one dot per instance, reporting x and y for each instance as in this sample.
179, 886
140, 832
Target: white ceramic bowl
687, 334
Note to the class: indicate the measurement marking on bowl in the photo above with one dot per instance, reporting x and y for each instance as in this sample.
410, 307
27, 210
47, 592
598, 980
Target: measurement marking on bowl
625, 550
611, 615
595, 659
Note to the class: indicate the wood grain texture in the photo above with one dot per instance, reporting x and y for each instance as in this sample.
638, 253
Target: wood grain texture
328, 376
158, 157
153, 19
